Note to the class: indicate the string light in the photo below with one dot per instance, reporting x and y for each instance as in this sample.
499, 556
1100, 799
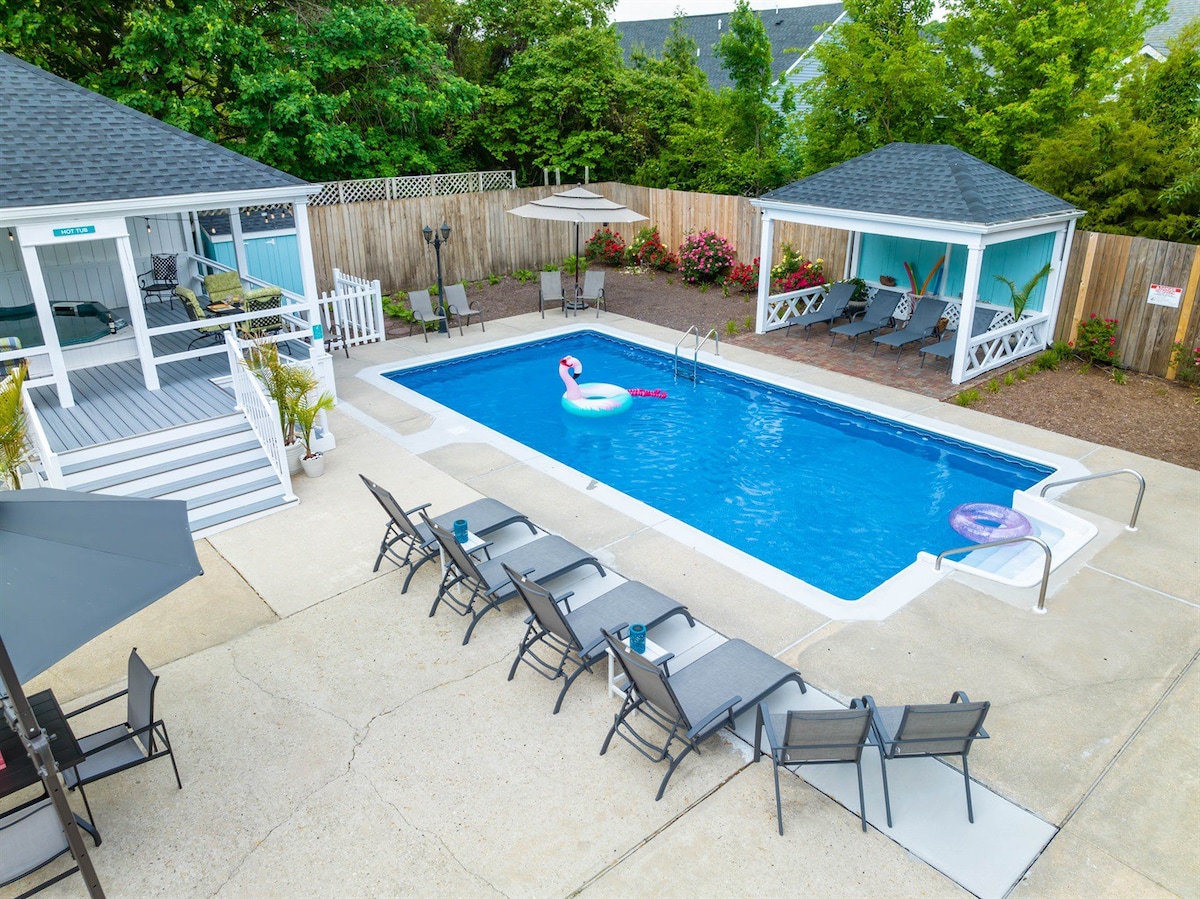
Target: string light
10, 234
147, 226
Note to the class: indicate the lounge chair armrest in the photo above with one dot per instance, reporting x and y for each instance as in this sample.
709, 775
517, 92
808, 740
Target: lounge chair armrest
96, 704
721, 711
565, 599
960, 696
664, 663
417, 508
586, 652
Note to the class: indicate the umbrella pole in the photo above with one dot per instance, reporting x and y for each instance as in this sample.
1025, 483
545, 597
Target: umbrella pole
20, 717
577, 260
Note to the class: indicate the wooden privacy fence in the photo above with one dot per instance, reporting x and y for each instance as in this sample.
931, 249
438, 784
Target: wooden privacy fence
1108, 274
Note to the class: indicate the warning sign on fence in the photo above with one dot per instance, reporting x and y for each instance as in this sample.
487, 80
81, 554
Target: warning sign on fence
1161, 295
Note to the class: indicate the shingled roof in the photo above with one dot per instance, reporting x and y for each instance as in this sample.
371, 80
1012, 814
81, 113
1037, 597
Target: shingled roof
791, 30
936, 182
61, 144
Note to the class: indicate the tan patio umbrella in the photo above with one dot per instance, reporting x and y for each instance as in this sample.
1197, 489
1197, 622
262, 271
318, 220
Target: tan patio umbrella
581, 207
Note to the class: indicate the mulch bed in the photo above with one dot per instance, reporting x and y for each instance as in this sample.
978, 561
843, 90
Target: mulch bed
1146, 415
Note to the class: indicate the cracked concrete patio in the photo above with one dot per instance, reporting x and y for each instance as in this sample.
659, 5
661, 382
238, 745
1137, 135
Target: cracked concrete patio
334, 740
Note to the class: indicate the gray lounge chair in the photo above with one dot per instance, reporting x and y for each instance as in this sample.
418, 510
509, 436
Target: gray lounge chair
592, 292
945, 349
695, 702
423, 314
488, 582
483, 517
917, 731
550, 291
816, 737
575, 636
922, 325
460, 308
833, 306
31, 836
877, 314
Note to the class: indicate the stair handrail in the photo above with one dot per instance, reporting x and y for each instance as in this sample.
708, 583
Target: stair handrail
1137, 503
1027, 538
51, 464
261, 412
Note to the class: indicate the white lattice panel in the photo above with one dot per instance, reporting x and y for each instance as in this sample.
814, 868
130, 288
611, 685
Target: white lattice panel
783, 306
498, 180
409, 186
1006, 341
454, 183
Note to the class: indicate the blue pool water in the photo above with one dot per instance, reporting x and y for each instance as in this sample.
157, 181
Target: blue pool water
836, 497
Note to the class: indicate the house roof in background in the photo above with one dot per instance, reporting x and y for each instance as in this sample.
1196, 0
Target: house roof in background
63, 144
1179, 13
792, 30
935, 182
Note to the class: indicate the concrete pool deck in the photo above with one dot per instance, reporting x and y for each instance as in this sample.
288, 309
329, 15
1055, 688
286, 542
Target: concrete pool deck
334, 740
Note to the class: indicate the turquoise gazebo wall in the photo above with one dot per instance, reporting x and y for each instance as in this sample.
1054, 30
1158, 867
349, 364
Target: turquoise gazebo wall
1017, 260
272, 259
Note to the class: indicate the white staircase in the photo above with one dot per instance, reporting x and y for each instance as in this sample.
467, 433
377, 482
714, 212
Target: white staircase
217, 466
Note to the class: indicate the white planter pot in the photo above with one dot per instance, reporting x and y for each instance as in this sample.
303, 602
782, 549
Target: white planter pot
294, 451
314, 467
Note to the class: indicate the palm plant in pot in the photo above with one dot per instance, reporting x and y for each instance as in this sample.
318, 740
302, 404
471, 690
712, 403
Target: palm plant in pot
288, 386
306, 412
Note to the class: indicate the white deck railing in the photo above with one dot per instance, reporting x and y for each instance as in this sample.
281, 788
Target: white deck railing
260, 410
353, 313
1000, 346
51, 466
782, 306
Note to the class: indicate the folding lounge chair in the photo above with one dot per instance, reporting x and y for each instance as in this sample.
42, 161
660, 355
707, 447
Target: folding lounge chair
592, 292
460, 308
944, 349
484, 516
575, 636
877, 314
423, 314
921, 326
488, 583
550, 291
695, 702
31, 836
832, 307
917, 731
816, 737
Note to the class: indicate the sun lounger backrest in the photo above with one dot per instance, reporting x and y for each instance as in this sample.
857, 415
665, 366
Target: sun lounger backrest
928, 312
838, 297
647, 678
460, 558
883, 305
541, 605
389, 504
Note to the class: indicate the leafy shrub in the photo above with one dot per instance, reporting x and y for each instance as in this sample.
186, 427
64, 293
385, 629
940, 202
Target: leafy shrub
1118, 376
967, 397
789, 263
397, 306
992, 386
523, 275
744, 275
606, 246
731, 327
572, 263
1187, 363
705, 257
494, 279
550, 267
1096, 340
749, 322
648, 249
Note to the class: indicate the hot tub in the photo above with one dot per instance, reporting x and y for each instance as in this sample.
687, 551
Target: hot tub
77, 321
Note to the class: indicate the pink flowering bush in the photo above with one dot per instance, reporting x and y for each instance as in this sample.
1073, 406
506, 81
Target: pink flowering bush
1187, 363
705, 257
1096, 340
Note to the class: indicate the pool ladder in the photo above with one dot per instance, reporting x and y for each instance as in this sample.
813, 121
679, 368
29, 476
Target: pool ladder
694, 332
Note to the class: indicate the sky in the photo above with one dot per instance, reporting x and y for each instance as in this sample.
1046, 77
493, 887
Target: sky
632, 10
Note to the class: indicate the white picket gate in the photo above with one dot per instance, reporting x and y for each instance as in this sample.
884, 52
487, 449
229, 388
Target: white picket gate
353, 313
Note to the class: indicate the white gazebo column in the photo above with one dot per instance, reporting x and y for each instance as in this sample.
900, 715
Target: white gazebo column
766, 243
41, 302
137, 313
965, 315
239, 245
853, 243
321, 362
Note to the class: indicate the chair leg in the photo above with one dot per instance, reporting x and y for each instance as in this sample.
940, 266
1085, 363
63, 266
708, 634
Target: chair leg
862, 802
967, 781
87, 807
887, 801
778, 800
671, 770
170, 754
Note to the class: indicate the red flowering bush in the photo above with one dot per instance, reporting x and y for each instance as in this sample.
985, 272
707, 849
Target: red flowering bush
649, 250
705, 257
808, 275
744, 275
1096, 340
606, 246
1187, 363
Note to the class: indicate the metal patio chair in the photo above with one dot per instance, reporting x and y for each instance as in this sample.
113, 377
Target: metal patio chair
161, 280
32, 836
922, 325
224, 287
574, 637
264, 299
550, 291
487, 584
815, 737
945, 349
483, 516
877, 315
137, 740
928, 731
195, 313
592, 292
460, 308
423, 314
695, 702
833, 306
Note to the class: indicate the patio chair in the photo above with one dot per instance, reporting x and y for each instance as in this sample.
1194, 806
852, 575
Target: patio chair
262, 300
488, 583
7, 344
921, 326
591, 292
484, 516
32, 836
945, 349
928, 731
575, 636
161, 280
460, 308
137, 740
195, 313
815, 737
550, 291
833, 307
695, 702
223, 287
423, 314
878, 314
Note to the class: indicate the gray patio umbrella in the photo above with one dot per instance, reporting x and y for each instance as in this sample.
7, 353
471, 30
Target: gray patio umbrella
72, 565
581, 207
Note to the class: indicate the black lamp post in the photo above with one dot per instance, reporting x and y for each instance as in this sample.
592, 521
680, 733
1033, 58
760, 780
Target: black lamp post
437, 242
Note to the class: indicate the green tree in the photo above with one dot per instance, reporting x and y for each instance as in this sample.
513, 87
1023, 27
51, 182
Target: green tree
745, 53
71, 39
882, 80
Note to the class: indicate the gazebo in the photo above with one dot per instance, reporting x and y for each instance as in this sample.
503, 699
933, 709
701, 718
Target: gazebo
938, 221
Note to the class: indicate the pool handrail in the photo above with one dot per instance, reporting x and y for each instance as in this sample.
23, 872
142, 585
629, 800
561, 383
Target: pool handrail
1027, 538
1137, 504
694, 331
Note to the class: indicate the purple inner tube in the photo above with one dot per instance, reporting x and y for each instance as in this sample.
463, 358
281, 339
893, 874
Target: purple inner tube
984, 522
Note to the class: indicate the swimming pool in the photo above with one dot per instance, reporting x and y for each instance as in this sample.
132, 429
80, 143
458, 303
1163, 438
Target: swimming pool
837, 497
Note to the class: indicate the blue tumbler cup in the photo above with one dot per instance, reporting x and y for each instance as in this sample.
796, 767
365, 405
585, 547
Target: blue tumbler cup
460, 530
637, 638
